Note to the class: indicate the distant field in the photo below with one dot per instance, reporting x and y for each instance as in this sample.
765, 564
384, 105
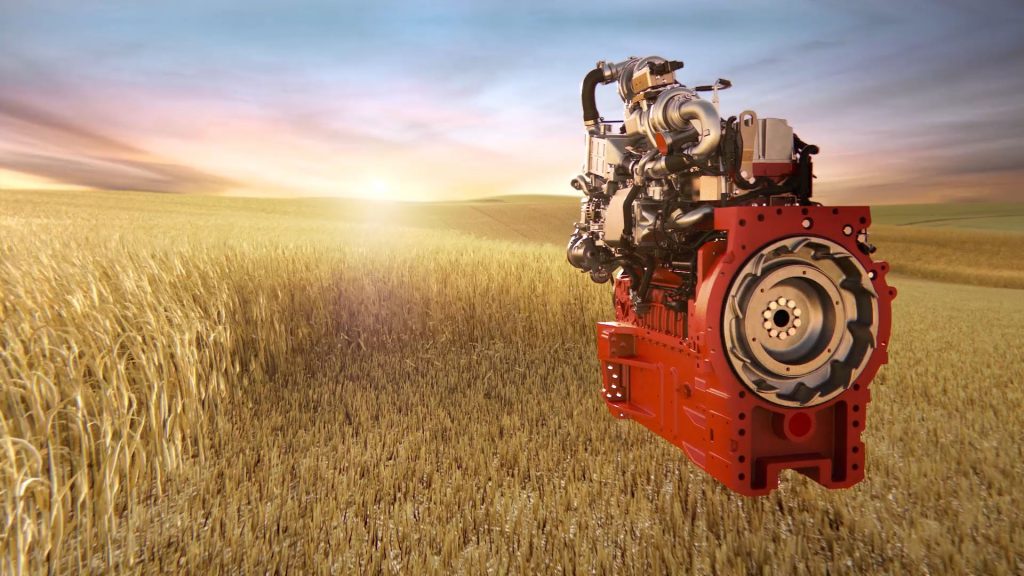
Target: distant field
210, 385
927, 243
980, 247
975, 244
1007, 217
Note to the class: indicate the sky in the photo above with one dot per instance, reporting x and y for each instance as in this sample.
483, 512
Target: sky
909, 101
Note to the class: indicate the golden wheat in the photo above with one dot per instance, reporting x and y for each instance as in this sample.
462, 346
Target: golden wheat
207, 386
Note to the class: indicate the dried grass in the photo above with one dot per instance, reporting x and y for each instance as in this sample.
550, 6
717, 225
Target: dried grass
206, 386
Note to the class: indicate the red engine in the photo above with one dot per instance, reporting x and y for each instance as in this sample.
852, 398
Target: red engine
717, 380
750, 320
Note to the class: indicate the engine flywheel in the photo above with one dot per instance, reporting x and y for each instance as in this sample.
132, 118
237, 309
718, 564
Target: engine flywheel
800, 321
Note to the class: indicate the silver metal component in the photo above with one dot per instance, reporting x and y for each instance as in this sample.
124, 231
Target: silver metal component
615, 219
612, 70
625, 74
775, 141
720, 84
606, 152
766, 141
656, 192
680, 109
645, 167
582, 252
645, 219
680, 220
634, 123
644, 79
748, 125
712, 188
808, 358
582, 184
654, 167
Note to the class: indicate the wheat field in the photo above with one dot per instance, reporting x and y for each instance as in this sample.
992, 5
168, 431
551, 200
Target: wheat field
224, 386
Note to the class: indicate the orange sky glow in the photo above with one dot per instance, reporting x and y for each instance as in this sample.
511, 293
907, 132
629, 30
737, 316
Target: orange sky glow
454, 100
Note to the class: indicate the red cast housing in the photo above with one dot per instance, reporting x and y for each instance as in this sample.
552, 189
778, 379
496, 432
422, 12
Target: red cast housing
695, 375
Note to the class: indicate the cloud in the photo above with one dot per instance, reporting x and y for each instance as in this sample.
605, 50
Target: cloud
83, 157
469, 97
114, 174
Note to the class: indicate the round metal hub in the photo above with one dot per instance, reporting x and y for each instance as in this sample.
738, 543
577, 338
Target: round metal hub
800, 321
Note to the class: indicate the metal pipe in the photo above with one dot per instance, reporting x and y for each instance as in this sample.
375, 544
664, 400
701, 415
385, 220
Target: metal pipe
680, 220
676, 108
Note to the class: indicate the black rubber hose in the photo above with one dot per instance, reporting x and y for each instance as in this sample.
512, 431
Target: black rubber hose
645, 282
677, 163
805, 174
588, 95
